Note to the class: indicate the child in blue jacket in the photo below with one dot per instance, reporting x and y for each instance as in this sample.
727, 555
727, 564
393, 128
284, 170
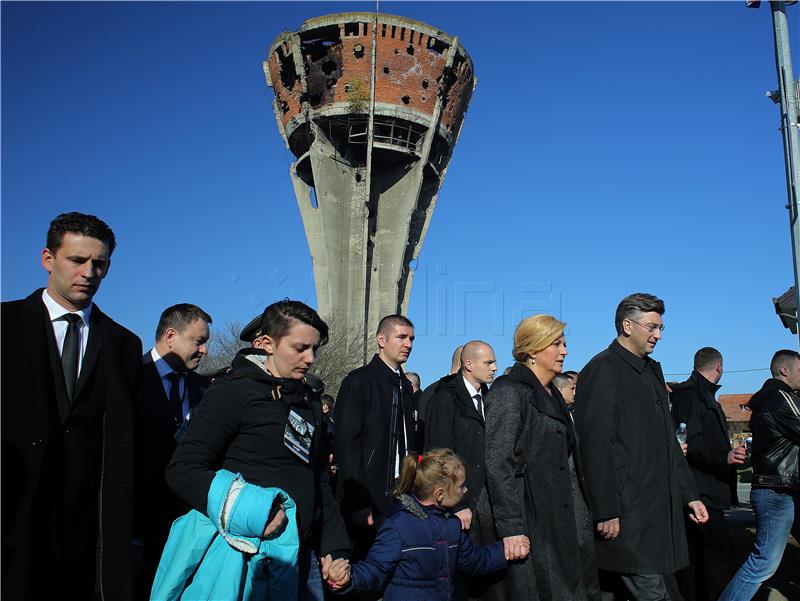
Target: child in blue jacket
420, 545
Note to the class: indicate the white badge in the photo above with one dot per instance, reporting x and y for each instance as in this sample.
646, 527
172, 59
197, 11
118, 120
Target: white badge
297, 436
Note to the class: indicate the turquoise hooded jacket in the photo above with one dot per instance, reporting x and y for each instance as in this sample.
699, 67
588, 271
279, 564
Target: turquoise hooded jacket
222, 557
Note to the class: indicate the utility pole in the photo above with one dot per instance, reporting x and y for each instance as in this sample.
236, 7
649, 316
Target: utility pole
787, 95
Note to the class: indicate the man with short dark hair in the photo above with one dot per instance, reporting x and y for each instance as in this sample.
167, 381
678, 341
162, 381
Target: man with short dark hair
775, 492
712, 461
637, 481
70, 376
374, 431
171, 389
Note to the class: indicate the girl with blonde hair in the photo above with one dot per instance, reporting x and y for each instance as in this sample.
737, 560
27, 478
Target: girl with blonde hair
420, 545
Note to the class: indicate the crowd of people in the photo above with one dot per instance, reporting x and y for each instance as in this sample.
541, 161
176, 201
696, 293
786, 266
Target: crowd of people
132, 476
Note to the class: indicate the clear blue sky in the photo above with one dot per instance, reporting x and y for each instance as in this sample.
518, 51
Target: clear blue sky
609, 148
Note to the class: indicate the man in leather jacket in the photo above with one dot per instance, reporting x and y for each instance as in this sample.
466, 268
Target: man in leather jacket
775, 494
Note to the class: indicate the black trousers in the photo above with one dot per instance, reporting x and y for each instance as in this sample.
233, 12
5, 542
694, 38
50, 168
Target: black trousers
638, 587
710, 558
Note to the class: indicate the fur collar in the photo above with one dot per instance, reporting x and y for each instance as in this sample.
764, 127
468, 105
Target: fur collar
412, 506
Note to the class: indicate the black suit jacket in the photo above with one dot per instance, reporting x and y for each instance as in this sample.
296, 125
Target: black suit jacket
64, 465
452, 422
155, 505
362, 440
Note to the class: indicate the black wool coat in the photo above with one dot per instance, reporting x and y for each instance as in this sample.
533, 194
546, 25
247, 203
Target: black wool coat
362, 440
452, 422
707, 437
633, 464
239, 426
534, 487
67, 468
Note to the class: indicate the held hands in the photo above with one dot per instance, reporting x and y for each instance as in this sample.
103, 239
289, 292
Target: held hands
684, 449
465, 517
275, 523
737, 455
335, 572
699, 513
516, 547
608, 529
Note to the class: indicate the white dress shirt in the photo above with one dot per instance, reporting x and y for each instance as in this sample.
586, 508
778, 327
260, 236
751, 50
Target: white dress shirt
472, 392
56, 312
398, 460
164, 370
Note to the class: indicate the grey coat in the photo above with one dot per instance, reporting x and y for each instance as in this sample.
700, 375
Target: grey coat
533, 488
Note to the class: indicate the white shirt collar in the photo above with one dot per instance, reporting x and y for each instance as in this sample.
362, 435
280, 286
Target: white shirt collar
56, 311
470, 388
161, 365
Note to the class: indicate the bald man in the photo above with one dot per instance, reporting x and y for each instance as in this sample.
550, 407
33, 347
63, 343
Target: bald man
455, 419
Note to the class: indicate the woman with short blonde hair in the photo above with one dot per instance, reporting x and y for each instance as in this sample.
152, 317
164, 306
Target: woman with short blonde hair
534, 494
534, 334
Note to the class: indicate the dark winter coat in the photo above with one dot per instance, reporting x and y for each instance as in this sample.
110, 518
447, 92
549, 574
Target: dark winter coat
67, 467
534, 488
708, 441
363, 435
452, 422
633, 464
416, 553
240, 426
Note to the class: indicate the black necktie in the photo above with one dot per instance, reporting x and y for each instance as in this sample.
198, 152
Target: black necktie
175, 400
71, 353
479, 403
401, 425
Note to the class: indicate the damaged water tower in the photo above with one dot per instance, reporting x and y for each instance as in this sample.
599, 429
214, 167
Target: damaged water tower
371, 106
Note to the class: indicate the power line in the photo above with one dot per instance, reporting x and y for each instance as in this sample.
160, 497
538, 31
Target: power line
727, 371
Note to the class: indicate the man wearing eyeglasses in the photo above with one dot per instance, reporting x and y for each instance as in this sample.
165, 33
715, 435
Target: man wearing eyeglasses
637, 480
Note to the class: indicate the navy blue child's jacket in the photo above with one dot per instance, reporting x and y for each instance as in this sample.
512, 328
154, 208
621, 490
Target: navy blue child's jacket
417, 551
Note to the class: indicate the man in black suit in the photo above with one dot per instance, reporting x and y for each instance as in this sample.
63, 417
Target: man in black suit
455, 419
70, 375
636, 480
713, 463
374, 417
170, 390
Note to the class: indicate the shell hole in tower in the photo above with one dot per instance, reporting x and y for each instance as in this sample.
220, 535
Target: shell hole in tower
386, 70
410, 50
358, 177
358, 51
425, 84
406, 99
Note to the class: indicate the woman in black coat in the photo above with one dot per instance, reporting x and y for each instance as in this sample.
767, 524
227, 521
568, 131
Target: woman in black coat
263, 421
534, 481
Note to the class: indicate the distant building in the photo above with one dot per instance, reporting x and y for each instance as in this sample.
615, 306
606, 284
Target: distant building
737, 414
